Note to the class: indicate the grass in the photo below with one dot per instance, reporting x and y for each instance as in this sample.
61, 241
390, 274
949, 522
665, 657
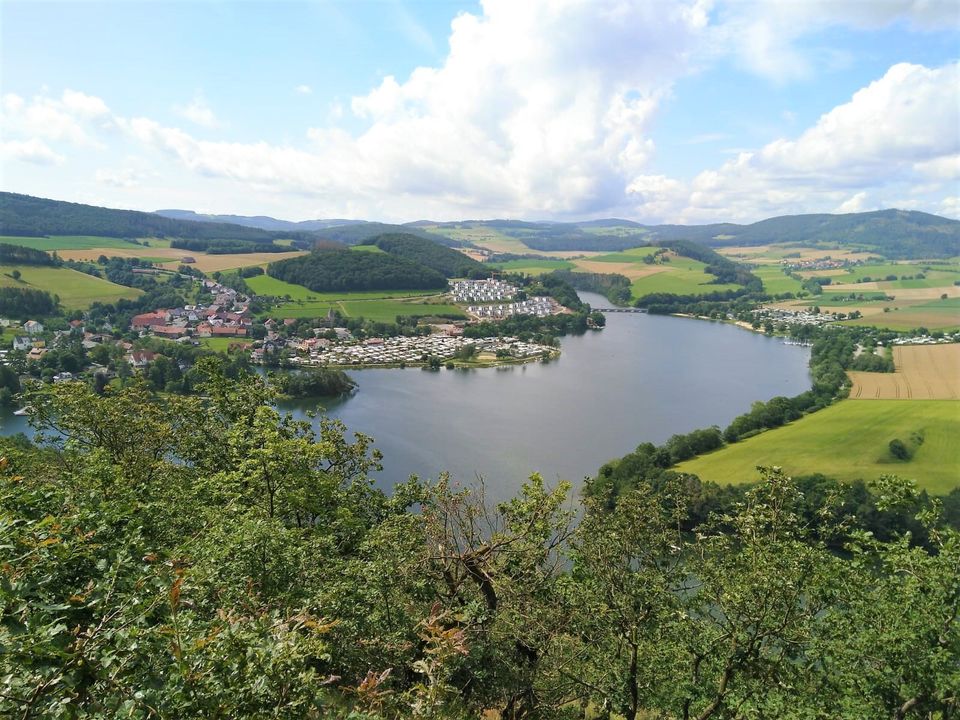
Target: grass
775, 282
849, 441
685, 276
366, 248
531, 266
68, 242
266, 285
221, 344
77, 290
386, 310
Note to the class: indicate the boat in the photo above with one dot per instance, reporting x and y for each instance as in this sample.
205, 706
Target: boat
23, 411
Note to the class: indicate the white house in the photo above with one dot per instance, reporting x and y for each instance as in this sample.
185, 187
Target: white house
33, 327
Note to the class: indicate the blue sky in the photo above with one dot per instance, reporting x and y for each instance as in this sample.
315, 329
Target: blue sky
658, 111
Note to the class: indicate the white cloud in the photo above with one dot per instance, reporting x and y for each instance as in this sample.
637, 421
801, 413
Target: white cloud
897, 131
33, 150
125, 177
198, 112
856, 203
70, 119
765, 35
303, 90
540, 108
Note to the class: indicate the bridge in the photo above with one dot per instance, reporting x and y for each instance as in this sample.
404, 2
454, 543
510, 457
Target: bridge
626, 310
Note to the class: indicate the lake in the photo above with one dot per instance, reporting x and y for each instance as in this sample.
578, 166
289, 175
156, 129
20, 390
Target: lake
642, 378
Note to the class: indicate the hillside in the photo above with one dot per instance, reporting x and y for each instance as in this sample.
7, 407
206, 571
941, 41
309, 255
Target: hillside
356, 234
450, 263
263, 222
24, 215
332, 270
896, 234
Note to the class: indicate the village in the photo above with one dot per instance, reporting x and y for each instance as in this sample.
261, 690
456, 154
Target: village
227, 315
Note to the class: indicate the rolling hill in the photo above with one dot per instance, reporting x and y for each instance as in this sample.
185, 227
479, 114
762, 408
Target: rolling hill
28, 216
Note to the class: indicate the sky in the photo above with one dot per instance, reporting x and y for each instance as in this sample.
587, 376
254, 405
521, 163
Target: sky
679, 111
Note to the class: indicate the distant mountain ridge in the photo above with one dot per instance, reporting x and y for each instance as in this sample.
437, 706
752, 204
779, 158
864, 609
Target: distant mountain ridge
262, 222
897, 234
25, 215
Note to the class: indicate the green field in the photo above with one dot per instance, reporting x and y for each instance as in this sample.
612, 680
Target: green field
685, 277
366, 248
266, 285
775, 282
849, 441
386, 310
77, 290
532, 266
221, 344
70, 242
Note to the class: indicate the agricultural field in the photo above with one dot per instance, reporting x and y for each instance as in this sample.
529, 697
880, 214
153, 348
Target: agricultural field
775, 282
76, 290
773, 253
376, 305
221, 344
494, 241
68, 242
680, 275
849, 441
171, 257
386, 310
924, 372
532, 266
365, 248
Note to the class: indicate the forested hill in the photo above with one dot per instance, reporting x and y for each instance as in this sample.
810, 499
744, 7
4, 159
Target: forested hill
450, 263
356, 234
263, 222
24, 215
893, 233
335, 270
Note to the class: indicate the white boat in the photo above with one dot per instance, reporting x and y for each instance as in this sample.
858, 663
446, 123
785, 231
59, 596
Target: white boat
23, 411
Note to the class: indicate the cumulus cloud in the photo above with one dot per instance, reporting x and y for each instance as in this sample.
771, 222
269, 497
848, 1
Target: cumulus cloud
540, 108
198, 112
893, 132
765, 35
70, 118
33, 150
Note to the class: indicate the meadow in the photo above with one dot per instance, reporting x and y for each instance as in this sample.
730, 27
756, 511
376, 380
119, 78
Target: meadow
76, 290
849, 441
532, 266
68, 242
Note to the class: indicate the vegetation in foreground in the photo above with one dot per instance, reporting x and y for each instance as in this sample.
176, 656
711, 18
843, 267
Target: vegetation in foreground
148, 571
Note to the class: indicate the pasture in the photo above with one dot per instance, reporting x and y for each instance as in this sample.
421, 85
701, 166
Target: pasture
924, 372
533, 266
68, 242
76, 290
171, 257
849, 441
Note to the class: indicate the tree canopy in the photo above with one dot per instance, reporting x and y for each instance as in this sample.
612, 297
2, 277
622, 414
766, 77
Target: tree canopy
204, 556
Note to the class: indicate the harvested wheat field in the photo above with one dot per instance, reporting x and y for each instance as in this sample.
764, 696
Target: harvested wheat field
633, 271
924, 372
202, 261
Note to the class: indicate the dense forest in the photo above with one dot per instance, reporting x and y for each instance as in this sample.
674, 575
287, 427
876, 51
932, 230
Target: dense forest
148, 572
24, 215
450, 263
228, 247
26, 303
19, 255
335, 270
